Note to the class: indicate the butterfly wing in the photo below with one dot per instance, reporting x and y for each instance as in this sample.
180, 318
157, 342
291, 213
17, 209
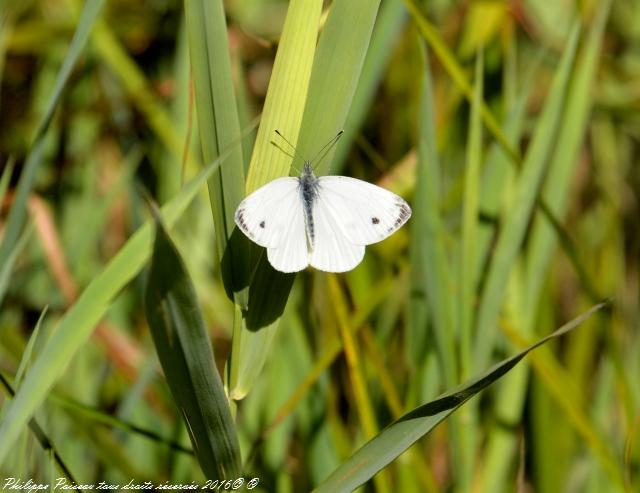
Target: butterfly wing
331, 251
272, 217
365, 213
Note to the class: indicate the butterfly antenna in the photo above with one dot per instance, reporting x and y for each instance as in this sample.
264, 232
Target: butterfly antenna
293, 148
327, 147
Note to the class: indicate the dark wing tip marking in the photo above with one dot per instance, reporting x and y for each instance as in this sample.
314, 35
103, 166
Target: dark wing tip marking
242, 223
375, 220
262, 224
403, 215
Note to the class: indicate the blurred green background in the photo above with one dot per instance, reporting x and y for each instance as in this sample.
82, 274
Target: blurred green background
525, 214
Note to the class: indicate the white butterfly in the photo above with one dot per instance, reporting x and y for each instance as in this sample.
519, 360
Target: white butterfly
321, 221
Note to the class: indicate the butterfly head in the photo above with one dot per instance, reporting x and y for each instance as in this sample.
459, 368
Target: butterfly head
307, 170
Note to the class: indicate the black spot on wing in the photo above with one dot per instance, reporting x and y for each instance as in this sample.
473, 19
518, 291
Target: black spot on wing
262, 224
375, 220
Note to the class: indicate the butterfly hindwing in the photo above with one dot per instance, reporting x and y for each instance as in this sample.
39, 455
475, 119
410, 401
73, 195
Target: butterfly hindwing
332, 251
291, 254
366, 213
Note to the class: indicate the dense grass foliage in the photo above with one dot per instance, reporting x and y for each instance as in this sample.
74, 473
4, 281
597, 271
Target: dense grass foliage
511, 128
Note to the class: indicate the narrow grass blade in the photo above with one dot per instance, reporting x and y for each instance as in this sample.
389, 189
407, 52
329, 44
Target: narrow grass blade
465, 431
78, 322
561, 386
398, 436
364, 405
186, 356
328, 356
18, 210
6, 176
90, 414
470, 212
501, 444
516, 219
219, 125
7, 267
457, 73
571, 134
27, 356
255, 328
429, 225
42, 438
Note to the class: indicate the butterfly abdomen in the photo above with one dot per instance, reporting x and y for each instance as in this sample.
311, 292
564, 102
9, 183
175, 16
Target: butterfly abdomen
308, 194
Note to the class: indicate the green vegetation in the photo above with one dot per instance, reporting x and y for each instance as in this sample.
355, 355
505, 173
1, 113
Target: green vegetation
142, 343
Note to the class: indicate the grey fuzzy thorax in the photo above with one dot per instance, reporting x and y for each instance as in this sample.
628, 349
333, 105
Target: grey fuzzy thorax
308, 194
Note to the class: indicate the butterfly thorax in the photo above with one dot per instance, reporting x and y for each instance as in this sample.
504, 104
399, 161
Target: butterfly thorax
308, 194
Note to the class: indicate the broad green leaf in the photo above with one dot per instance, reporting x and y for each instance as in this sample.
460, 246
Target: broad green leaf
219, 125
399, 435
186, 356
76, 325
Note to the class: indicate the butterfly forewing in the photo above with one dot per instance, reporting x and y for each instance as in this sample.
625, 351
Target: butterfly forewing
365, 213
265, 214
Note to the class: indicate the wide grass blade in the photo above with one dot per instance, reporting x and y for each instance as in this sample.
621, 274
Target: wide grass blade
388, 28
18, 210
336, 71
524, 202
398, 436
79, 321
186, 356
255, 328
219, 126
287, 94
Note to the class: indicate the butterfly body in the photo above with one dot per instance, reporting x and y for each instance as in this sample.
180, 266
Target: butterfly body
308, 193
321, 221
